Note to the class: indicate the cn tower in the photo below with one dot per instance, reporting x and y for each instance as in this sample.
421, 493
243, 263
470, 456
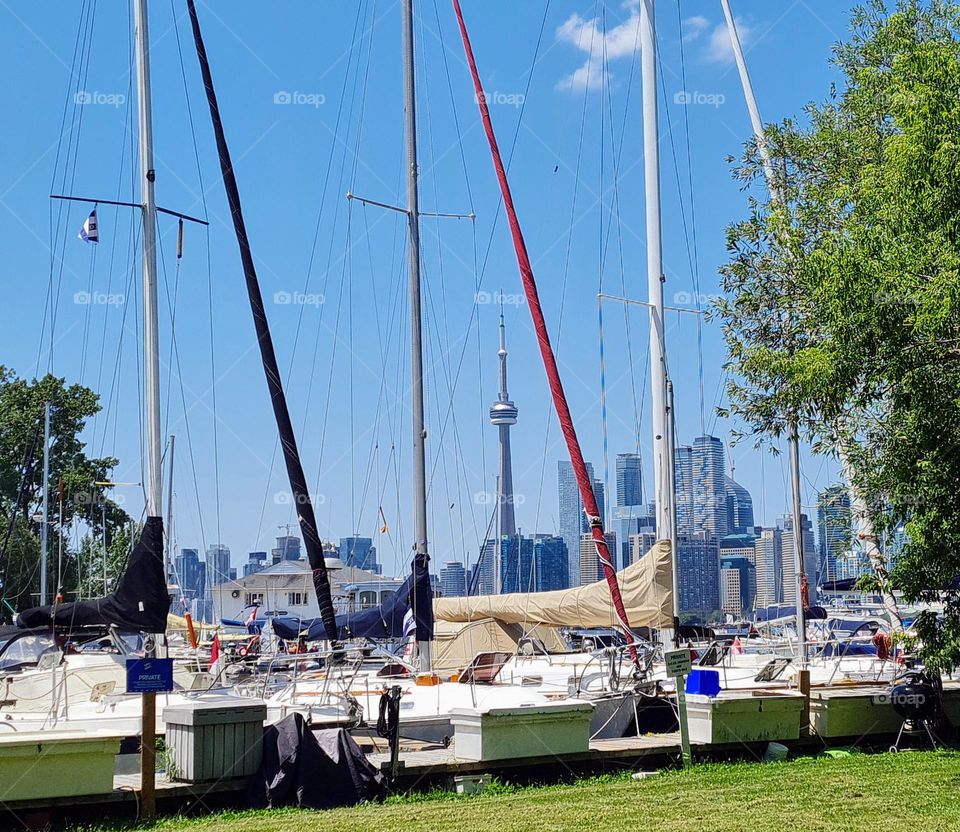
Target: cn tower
503, 414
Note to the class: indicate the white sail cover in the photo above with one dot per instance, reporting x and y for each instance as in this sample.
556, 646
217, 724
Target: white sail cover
646, 586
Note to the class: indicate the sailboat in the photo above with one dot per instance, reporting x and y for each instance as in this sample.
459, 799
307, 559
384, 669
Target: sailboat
652, 582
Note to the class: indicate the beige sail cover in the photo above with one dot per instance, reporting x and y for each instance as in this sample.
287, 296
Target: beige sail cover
456, 643
646, 587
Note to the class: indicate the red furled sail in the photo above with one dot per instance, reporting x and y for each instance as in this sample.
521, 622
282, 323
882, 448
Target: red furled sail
546, 350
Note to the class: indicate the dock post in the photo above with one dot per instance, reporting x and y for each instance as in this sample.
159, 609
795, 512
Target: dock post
148, 757
803, 683
678, 664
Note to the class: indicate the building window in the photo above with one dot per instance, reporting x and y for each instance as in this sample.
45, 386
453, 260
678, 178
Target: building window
252, 598
296, 599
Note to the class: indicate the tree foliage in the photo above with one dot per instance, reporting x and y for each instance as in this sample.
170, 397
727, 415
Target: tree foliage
75, 496
843, 302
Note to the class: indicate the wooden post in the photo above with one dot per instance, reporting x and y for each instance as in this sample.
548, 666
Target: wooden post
679, 663
148, 757
803, 683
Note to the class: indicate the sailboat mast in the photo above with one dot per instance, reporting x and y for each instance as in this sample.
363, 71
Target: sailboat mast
793, 442
151, 326
168, 549
662, 450
416, 327
45, 528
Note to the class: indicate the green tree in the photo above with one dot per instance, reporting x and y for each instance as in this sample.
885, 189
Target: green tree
73, 481
844, 300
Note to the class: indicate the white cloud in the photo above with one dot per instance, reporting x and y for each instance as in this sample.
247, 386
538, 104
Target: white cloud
719, 49
694, 26
585, 35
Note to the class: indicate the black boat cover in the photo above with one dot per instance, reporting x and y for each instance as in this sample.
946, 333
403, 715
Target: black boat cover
312, 769
139, 604
411, 605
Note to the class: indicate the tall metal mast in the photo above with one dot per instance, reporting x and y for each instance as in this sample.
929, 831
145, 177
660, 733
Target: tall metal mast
151, 364
416, 334
45, 528
151, 338
793, 443
168, 548
662, 445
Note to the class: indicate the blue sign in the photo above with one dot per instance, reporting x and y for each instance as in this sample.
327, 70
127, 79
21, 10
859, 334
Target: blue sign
149, 675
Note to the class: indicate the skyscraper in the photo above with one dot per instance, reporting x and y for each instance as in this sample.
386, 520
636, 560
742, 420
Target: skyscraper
739, 508
629, 521
631, 516
709, 486
683, 488
590, 569
833, 529
789, 584
573, 521
698, 565
453, 580
769, 562
641, 543
629, 480
188, 573
600, 495
483, 575
738, 584
287, 548
550, 562
217, 572
516, 564
360, 553
503, 414
218, 564
256, 562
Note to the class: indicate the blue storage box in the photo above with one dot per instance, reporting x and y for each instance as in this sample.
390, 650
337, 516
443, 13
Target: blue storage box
704, 682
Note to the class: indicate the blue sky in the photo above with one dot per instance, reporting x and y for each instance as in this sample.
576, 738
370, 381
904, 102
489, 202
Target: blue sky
311, 98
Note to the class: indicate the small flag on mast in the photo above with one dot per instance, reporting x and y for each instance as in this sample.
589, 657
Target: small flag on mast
89, 233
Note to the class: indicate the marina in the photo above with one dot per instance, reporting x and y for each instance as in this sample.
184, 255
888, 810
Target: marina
304, 343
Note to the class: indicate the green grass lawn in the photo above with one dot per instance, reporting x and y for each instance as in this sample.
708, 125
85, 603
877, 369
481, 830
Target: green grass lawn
863, 792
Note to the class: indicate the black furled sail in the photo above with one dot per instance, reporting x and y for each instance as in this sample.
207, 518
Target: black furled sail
408, 610
291, 456
140, 602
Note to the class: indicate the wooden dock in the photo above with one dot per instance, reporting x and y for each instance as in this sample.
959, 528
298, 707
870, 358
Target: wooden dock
438, 765
124, 801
